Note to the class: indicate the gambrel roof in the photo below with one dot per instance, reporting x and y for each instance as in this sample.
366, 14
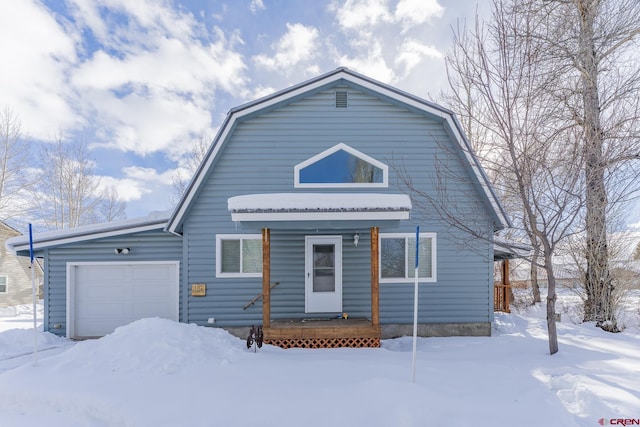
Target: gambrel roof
340, 76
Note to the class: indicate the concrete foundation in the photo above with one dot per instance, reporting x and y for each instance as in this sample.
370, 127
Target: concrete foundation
438, 330
400, 330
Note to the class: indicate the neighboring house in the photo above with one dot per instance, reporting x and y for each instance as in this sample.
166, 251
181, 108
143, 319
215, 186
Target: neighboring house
298, 207
15, 272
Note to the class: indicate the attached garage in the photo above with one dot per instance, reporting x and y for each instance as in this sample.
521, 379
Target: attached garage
102, 296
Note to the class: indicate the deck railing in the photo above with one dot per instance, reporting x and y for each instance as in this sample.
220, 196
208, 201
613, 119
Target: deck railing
501, 295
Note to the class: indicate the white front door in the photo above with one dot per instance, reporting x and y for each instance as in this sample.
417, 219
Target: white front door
323, 271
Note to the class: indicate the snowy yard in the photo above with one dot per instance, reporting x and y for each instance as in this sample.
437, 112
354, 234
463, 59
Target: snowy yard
161, 373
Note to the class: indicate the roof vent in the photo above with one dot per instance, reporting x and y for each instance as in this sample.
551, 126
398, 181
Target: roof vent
341, 99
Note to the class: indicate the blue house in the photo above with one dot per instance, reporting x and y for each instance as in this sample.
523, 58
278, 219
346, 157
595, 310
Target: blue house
300, 219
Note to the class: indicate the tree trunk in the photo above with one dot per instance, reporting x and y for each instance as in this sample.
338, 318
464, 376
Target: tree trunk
535, 286
598, 283
551, 306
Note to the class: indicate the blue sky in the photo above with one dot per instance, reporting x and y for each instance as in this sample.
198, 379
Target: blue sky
141, 80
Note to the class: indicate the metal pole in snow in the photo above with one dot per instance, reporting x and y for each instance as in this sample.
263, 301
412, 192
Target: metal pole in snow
35, 298
415, 308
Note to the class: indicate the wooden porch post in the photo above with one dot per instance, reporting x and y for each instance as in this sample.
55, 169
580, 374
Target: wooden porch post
506, 282
266, 278
375, 285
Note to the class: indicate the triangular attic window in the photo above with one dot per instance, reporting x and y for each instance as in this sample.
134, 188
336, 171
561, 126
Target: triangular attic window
341, 166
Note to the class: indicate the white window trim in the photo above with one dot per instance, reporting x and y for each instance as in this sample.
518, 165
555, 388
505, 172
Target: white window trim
219, 239
6, 283
409, 258
353, 152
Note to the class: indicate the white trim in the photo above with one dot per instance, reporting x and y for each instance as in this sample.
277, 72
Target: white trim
353, 152
6, 283
71, 281
60, 240
240, 237
408, 256
319, 216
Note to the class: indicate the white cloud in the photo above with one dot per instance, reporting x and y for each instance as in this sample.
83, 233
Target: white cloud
148, 122
297, 45
160, 86
137, 182
370, 63
127, 189
385, 38
412, 53
416, 12
36, 54
355, 14
256, 5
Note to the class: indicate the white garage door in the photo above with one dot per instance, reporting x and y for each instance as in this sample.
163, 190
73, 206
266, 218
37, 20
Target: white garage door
104, 296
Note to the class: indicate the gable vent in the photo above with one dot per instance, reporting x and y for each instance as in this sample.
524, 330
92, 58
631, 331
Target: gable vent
341, 99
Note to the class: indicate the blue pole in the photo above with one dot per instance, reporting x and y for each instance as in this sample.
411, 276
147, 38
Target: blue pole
34, 297
31, 243
415, 308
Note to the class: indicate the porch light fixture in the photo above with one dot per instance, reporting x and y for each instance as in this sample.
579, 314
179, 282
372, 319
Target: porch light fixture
356, 239
122, 251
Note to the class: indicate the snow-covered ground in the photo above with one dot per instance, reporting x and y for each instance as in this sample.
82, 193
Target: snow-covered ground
160, 373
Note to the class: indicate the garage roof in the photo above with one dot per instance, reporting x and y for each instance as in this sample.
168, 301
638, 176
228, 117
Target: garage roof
153, 221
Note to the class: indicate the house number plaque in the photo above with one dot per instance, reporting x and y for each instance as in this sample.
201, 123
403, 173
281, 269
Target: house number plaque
198, 289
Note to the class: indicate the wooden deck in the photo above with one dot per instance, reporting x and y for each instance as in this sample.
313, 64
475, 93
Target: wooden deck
323, 333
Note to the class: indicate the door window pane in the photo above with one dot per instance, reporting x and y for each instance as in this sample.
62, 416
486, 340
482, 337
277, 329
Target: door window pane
324, 271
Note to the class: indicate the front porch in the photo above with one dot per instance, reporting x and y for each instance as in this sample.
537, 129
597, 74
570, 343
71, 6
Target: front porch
321, 332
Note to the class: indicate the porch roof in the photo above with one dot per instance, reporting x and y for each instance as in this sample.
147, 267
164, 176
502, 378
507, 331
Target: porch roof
319, 207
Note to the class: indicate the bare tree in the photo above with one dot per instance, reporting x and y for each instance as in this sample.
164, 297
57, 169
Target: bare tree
68, 194
531, 154
595, 42
14, 159
110, 207
192, 161
636, 254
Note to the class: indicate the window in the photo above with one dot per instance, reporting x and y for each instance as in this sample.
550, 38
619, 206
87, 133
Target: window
341, 166
397, 257
239, 255
4, 280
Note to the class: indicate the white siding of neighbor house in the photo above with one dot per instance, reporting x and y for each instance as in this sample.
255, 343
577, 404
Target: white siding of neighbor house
17, 269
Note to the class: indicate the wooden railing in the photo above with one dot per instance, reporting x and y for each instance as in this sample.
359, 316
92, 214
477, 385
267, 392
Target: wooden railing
501, 295
257, 297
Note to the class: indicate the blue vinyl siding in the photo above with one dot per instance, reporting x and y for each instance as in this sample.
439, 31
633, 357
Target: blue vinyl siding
259, 157
145, 246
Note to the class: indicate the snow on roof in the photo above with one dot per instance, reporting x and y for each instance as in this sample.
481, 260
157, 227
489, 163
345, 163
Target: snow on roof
319, 206
50, 238
288, 202
508, 249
